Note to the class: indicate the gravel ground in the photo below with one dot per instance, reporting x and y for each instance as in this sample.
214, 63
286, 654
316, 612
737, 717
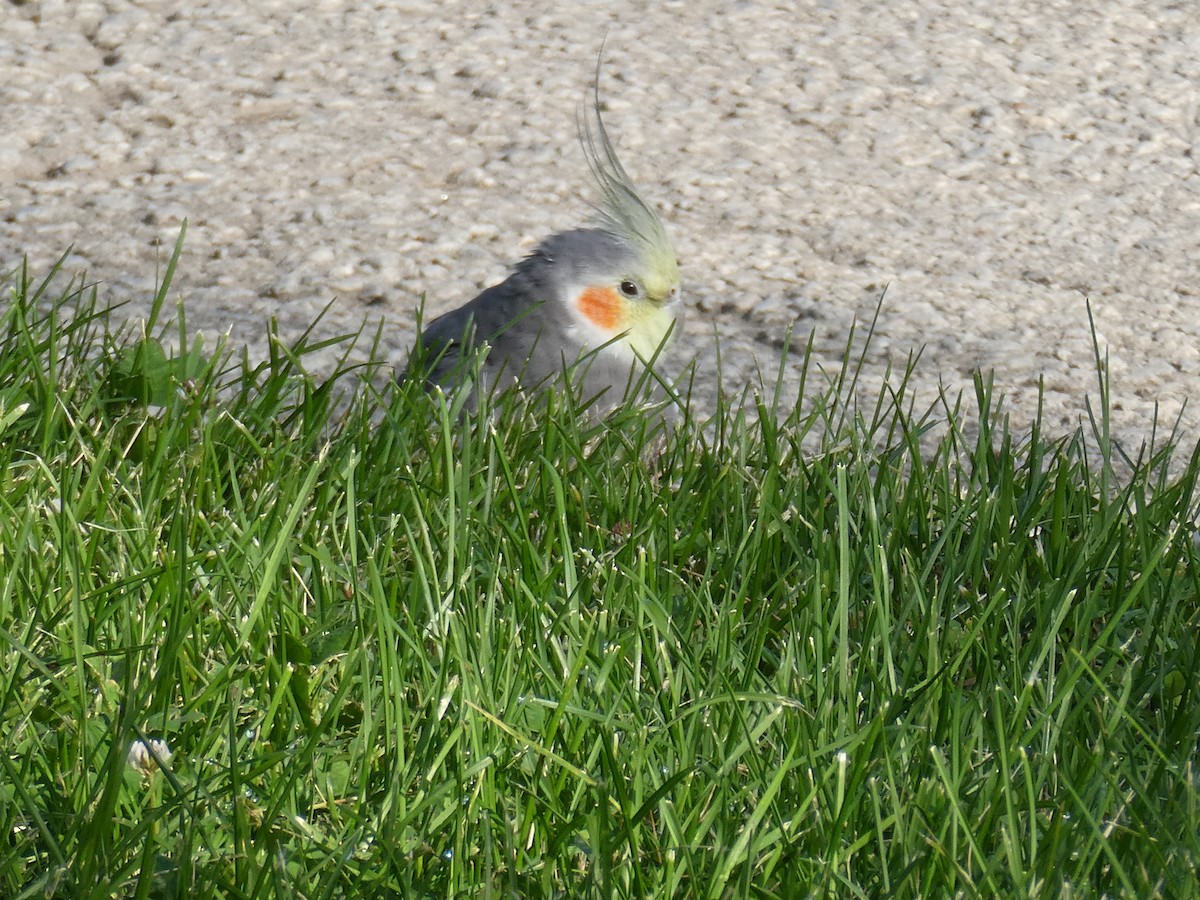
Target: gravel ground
994, 165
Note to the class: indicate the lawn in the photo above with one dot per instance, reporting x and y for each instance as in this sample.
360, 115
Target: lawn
271, 635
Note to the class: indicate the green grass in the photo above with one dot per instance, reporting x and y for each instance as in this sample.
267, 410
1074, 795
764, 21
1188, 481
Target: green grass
812, 651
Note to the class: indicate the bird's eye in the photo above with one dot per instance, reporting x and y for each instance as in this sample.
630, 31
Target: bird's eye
629, 289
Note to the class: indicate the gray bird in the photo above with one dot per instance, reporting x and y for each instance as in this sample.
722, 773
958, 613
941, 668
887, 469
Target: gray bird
604, 297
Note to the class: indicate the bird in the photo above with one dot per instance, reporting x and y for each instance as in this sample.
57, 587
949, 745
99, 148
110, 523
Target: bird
597, 303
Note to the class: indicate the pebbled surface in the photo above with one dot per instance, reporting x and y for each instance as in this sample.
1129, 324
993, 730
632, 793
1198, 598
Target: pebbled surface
992, 164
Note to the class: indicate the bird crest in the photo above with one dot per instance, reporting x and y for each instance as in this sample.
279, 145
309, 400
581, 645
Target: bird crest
620, 210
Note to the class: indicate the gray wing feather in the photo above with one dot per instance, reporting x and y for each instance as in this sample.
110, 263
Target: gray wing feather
506, 317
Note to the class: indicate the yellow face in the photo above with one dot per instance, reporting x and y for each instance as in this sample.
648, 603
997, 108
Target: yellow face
642, 315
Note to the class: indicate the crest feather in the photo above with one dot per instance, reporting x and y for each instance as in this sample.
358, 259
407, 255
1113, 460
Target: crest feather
620, 209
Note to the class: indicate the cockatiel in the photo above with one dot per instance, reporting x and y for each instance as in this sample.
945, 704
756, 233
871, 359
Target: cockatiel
607, 294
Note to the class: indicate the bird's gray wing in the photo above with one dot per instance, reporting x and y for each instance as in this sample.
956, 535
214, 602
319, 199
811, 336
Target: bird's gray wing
505, 317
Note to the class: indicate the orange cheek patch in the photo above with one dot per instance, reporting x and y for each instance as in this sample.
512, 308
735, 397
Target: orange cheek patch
601, 306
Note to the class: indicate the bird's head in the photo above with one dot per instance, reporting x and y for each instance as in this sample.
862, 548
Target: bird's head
619, 278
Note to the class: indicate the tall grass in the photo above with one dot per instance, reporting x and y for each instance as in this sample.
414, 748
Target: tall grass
399, 649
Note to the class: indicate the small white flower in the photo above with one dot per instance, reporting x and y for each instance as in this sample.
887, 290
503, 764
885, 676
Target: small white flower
140, 759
